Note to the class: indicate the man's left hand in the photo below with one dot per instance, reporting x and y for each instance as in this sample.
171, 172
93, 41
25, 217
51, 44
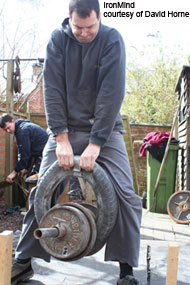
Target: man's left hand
23, 172
89, 156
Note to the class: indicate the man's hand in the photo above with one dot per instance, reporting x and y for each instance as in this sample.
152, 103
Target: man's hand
23, 172
11, 176
64, 151
89, 156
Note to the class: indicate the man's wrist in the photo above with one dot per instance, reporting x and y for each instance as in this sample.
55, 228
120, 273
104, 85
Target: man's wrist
62, 137
94, 144
57, 132
14, 172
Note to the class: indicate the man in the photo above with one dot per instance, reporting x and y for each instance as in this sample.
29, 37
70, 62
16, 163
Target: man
84, 86
31, 140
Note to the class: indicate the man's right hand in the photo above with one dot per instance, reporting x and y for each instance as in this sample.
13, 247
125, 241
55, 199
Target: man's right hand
64, 151
11, 176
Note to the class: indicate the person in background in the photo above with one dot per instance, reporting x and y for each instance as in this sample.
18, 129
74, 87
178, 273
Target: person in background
31, 140
84, 86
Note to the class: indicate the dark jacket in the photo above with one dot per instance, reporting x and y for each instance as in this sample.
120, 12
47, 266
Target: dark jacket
84, 83
31, 140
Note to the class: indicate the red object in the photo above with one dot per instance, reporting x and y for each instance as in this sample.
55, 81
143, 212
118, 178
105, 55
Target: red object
155, 139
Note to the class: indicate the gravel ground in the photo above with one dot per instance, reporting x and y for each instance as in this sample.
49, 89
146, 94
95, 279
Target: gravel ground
10, 219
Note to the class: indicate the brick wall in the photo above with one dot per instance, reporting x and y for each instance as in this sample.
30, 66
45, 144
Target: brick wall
35, 102
139, 131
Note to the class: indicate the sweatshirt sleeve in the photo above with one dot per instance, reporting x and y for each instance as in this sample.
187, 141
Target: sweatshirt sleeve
54, 84
111, 88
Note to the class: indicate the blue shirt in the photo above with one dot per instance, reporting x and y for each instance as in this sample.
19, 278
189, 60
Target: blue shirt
31, 140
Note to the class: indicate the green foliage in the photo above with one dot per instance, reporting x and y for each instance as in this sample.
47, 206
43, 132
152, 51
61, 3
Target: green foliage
151, 96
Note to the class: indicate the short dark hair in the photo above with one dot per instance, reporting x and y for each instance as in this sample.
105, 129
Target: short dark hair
84, 7
4, 119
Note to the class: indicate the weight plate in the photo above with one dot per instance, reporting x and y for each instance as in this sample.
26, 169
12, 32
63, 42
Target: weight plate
93, 232
97, 248
17, 85
98, 245
92, 208
179, 207
77, 229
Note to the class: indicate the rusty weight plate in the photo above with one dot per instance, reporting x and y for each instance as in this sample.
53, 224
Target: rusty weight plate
94, 211
179, 207
93, 231
77, 232
92, 208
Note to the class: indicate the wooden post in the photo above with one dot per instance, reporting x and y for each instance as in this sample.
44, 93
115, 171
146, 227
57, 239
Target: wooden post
172, 266
9, 138
6, 241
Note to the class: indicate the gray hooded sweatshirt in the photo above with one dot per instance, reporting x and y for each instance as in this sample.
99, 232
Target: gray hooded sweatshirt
84, 83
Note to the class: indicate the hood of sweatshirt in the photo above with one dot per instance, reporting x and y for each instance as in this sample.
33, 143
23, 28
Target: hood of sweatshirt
19, 122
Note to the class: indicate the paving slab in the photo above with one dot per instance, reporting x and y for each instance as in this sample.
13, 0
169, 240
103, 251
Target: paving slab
157, 231
93, 270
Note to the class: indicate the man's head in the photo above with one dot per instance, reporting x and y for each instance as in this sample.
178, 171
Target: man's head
84, 18
7, 123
